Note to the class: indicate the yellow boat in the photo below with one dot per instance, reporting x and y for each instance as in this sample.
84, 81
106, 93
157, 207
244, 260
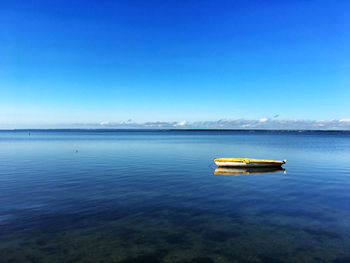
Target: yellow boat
247, 162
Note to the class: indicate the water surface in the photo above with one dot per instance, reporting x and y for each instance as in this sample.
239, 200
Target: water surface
152, 196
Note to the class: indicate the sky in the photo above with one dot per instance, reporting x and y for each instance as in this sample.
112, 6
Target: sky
111, 63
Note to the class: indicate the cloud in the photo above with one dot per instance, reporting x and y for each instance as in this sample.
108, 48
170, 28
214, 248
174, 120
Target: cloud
263, 123
244, 124
263, 119
181, 124
104, 123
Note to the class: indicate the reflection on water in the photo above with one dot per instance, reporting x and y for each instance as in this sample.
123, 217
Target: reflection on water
251, 170
139, 196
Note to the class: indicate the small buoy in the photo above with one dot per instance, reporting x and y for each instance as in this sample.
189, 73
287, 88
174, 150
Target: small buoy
76, 151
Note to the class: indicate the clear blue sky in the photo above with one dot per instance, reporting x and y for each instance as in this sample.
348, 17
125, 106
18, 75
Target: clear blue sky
92, 61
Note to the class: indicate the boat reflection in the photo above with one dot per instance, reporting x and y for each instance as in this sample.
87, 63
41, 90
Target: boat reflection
251, 170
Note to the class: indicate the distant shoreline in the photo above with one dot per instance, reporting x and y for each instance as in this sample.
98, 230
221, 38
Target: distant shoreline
172, 130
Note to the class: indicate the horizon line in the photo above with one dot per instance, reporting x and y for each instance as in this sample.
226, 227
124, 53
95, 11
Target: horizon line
171, 129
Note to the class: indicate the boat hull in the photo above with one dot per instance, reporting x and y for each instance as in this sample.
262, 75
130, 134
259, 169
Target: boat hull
247, 162
243, 164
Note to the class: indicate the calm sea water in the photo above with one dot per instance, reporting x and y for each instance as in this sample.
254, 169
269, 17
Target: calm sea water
152, 196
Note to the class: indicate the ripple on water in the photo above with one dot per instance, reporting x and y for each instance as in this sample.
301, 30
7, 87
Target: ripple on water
152, 197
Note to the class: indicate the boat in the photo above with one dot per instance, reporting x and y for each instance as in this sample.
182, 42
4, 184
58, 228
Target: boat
248, 170
247, 162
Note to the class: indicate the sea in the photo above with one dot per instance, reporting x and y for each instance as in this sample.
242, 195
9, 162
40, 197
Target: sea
152, 196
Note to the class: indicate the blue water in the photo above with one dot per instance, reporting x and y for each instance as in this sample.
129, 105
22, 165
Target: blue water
152, 196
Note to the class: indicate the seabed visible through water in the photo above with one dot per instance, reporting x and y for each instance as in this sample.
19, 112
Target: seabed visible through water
108, 202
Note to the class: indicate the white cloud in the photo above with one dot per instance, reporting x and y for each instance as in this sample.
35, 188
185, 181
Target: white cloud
263, 123
263, 120
181, 124
103, 123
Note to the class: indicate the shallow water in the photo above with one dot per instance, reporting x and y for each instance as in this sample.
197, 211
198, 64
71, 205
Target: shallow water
152, 196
